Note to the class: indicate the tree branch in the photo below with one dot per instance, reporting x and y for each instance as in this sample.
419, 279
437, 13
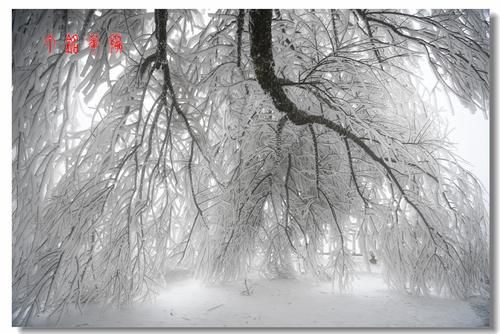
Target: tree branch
240, 21
262, 57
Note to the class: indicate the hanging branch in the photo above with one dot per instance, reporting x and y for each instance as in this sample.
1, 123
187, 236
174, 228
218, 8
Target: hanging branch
353, 174
316, 156
279, 130
239, 31
362, 15
334, 26
191, 184
287, 202
161, 18
161, 62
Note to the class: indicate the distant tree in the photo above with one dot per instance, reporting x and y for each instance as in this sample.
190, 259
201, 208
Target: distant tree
237, 139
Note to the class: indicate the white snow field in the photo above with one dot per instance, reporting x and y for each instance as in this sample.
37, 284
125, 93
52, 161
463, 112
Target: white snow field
282, 303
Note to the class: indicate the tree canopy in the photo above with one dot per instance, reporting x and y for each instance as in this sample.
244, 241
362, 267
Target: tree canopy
242, 140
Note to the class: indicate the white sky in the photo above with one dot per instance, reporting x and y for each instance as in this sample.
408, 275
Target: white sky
468, 130
471, 133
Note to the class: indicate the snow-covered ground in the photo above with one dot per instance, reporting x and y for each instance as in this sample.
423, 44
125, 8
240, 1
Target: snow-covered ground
284, 303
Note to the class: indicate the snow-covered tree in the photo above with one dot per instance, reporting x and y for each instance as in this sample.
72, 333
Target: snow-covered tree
241, 139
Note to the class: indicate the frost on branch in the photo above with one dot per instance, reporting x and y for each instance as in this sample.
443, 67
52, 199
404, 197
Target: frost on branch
242, 141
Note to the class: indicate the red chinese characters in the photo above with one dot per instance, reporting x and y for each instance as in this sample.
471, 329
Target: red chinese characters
50, 42
72, 46
115, 43
93, 41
